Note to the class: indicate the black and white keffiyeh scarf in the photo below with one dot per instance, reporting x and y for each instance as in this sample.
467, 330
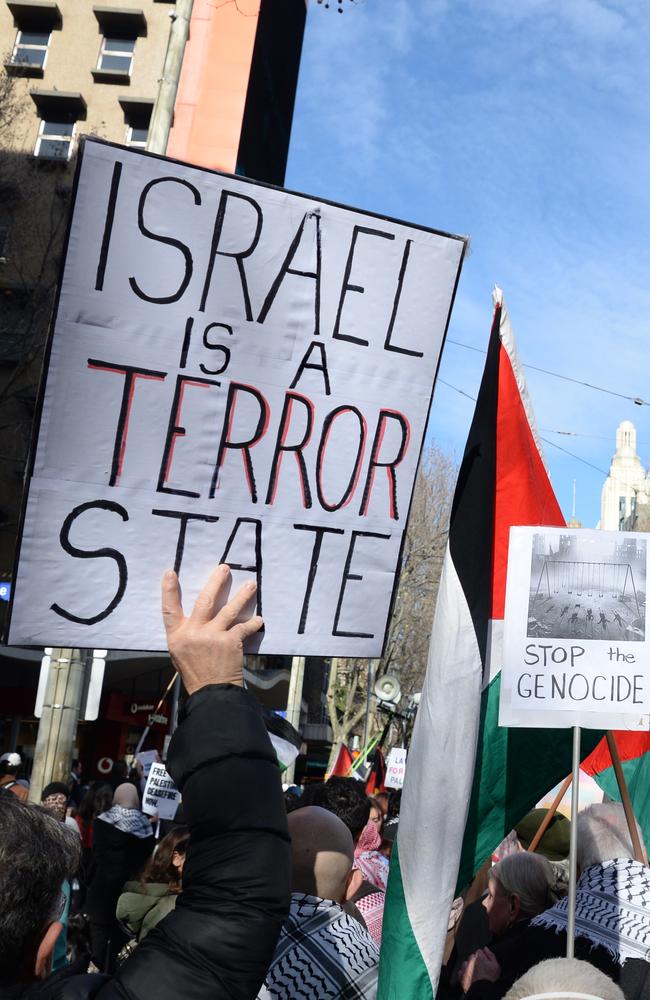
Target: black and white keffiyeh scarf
322, 952
128, 821
612, 909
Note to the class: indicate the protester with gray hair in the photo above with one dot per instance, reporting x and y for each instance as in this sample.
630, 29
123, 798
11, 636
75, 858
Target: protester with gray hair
37, 854
219, 940
519, 888
612, 913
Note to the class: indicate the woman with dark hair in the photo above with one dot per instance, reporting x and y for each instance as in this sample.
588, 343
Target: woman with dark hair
146, 901
97, 799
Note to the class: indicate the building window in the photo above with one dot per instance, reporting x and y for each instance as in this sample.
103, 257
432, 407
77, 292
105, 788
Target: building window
116, 55
31, 48
54, 140
137, 137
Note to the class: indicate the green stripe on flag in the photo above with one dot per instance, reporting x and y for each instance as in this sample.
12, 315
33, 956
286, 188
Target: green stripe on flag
514, 768
637, 779
402, 971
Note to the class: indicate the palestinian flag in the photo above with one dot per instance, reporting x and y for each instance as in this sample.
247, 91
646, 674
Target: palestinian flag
285, 739
634, 751
464, 773
342, 764
377, 773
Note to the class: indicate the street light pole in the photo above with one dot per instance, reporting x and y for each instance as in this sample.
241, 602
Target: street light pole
58, 726
163, 112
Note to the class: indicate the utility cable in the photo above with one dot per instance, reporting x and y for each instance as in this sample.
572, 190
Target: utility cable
566, 378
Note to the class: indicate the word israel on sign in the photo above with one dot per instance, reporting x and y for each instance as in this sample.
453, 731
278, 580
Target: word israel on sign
236, 374
395, 768
160, 793
575, 645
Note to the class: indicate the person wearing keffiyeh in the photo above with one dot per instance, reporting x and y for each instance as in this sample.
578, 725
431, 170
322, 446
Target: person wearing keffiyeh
122, 843
612, 914
323, 950
369, 898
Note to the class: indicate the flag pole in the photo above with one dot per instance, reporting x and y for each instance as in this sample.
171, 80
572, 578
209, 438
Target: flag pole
369, 747
546, 822
364, 753
573, 846
175, 677
639, 853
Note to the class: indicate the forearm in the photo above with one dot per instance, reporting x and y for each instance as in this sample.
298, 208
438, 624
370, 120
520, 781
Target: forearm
220, 939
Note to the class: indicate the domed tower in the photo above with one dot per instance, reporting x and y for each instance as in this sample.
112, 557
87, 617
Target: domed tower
626, 483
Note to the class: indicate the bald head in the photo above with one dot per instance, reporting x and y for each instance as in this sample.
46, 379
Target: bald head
322, 852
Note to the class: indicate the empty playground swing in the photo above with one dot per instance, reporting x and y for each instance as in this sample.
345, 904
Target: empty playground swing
591, 579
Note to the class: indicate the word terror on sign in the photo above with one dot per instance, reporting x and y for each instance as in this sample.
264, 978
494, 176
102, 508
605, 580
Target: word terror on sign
230, 441
237, 374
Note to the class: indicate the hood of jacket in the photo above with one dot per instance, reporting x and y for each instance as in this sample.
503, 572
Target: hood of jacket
139, 901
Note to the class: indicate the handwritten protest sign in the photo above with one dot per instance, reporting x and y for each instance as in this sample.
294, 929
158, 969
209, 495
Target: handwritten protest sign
236, 374
575, 647
395, 768
160, 794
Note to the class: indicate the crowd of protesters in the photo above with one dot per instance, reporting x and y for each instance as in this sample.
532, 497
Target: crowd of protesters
258, 894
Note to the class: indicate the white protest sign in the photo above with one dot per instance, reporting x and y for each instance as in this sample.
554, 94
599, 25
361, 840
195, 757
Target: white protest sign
147, 758
575, 648
160, 793
395, 768
236, 374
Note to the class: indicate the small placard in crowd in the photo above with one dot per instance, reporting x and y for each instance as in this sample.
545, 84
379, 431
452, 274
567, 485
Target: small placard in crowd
160, 793
395, 768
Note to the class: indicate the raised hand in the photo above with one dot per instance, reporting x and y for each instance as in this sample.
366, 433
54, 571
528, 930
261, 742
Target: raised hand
208, 646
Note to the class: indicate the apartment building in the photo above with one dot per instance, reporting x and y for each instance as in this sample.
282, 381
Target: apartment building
82, 68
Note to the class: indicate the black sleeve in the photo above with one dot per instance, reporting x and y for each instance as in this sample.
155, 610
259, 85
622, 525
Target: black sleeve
219, 941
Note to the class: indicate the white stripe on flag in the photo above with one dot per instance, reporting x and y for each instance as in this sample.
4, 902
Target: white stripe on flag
439, 776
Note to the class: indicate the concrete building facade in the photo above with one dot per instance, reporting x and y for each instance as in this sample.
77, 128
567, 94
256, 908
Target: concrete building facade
82, 68
627, 487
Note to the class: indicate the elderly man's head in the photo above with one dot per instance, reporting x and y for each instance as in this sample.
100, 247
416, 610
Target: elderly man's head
603, 834
322, 853
37, 854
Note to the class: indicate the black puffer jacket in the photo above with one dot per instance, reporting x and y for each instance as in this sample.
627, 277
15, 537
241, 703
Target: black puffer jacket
219, 941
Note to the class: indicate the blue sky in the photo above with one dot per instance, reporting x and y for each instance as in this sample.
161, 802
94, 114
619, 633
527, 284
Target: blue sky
526, 126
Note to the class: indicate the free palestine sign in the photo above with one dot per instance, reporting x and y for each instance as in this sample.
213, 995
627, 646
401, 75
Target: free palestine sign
235, 374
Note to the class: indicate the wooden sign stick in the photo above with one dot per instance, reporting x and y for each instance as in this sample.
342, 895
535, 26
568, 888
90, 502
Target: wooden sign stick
639, 853
546, 822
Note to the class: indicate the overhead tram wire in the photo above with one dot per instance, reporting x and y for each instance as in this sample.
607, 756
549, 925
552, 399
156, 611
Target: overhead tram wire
566, 378
546, 440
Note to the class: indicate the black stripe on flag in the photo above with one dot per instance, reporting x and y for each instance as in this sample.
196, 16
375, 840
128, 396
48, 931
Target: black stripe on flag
278, 726
471, 526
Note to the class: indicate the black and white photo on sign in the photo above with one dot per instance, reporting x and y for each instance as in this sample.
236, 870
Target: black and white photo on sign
574, 646
237, 374
592, 587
